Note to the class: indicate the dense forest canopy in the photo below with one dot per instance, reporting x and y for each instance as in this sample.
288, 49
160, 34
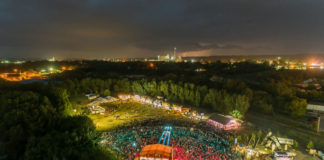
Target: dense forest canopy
38, 123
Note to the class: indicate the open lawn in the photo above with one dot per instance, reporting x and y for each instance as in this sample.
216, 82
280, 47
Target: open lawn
79, 100
130, 111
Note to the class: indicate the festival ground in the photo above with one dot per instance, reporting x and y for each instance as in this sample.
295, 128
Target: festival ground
141, 124
124, 113
124, 122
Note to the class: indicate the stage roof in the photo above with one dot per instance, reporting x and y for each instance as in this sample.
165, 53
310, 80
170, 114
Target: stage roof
220, 119
156, 150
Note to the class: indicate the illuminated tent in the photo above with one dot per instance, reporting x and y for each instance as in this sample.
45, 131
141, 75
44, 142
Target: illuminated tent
185, 110
176, 108
156, 152
166, 105
124, 97
223, 122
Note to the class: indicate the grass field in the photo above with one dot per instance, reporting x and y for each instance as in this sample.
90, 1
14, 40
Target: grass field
127, 112
79, 100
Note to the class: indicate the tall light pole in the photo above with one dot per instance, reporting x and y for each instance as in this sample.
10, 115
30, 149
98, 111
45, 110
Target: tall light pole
175, 53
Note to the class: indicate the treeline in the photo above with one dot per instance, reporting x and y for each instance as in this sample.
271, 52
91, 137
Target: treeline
232, 95
180, 92
37, 122
278, 98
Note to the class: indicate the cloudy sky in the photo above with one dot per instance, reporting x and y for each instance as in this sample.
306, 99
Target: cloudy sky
142, 28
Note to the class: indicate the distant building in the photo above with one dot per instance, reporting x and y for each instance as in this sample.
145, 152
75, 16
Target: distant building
97, 110
52, 59
91, 96
168, 58
165, 58
200, 70
317, 109
22, 76
102, 100
321, 123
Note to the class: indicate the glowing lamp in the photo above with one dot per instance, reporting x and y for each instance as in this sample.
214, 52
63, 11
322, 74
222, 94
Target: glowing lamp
152, 65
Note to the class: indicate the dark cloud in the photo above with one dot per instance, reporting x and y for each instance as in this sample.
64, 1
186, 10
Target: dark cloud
132, 28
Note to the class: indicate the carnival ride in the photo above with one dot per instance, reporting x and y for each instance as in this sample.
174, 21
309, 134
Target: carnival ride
278, 147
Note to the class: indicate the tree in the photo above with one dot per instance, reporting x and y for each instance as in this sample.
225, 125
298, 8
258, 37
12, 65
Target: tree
106, 92
122, 85
310, 145
33, 126
22, 115
283, 90
242, 103
236, 114
253, 137
197, 98
164, 88
295, 145
137, 88
259, 134
239, 139
262, 102
297, 107
210, 100
60, 99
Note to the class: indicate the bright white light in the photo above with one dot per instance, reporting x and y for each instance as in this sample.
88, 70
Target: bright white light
314, 64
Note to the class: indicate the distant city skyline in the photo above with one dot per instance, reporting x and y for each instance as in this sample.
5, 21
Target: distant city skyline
140, 28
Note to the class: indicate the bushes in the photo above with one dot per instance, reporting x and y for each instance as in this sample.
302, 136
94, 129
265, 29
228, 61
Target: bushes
310, 145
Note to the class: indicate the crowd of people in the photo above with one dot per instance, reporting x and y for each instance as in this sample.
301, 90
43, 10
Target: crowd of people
188, 142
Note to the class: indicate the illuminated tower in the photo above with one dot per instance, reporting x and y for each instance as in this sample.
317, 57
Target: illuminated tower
175, 53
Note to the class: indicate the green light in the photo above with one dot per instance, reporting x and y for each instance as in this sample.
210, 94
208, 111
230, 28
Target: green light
5, 61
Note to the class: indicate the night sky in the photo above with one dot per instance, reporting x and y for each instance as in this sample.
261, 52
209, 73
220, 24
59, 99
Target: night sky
146, 28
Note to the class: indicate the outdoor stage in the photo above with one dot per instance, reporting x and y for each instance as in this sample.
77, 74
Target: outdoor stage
168, 142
